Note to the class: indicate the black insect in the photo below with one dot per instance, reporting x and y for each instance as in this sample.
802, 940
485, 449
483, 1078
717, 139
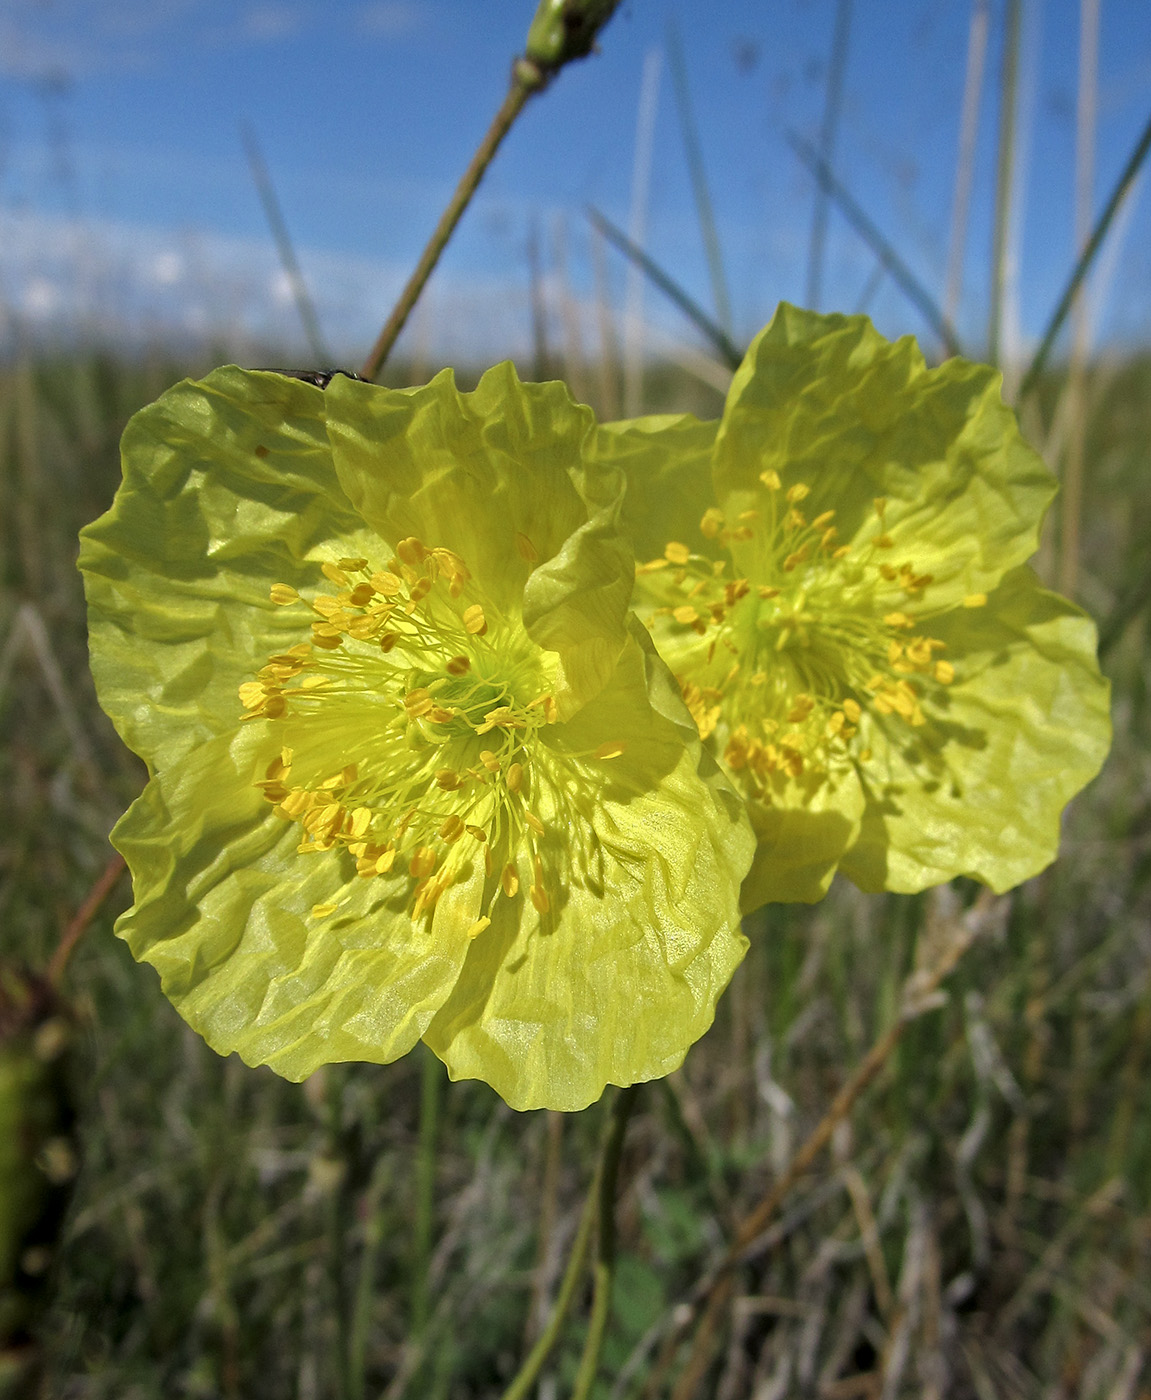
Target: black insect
321, 378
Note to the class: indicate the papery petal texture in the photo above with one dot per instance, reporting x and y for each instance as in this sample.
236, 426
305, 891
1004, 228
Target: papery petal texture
839, 587
415, 771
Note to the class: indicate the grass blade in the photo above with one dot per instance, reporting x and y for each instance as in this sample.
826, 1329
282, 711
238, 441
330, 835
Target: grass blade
725, 347
1086, 259
911, 286
1005, 166
279, 228
698, 173
828, 130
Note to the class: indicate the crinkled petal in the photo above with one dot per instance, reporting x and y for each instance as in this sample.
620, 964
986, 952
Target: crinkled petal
499, 477
979, 789
666, 461
223, 911
621, 975
228, 487
802, 834
827, 401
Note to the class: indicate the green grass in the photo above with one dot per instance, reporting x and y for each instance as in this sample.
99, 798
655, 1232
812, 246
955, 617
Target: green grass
981, 1227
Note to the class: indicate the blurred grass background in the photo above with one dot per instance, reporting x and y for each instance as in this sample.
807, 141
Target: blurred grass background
981, 1226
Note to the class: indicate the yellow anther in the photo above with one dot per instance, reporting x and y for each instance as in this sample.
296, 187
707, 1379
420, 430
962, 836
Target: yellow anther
876, 682
676, 553
474, 930
458, 666
321, 911
452, 827
388, 640
711, 523
418, 702
283, 593
361, 820
447, 779
821, 521
651, 567
685, 614
798, 492
944, 672
828, 538
252, 695
842, 552
385, 861
421, 862
328, 640
355, 565
894, 652
771, 479
387, 584
362, 594
748, 515
539, 898
525, 549
477, 831
474, 620
509, 880
852, 711
887, 571
898, 619
515, 777
411, 552
975, 600
794, 560
794, 520
801, 706
489, 760
336, 574
612, 749
420, 589
919, 651
735, 590
883, 542
836, 723
534, 822
767, 591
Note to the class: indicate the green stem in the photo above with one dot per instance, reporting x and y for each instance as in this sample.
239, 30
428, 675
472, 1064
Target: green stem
431, 1085
513, 104
533, 1364
605, 1254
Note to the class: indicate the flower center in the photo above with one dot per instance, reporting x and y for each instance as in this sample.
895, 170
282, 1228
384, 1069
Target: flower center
789, 656
408, 725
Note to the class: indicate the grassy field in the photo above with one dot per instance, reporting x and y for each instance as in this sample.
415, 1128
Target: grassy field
979, 1227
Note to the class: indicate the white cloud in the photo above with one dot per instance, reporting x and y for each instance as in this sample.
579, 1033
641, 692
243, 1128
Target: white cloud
390, 18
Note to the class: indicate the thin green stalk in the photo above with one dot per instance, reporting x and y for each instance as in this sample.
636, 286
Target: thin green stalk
605, 1252
562, 30
698, 173
365, 1283
1086, 259
1009, 82
727, 350
911, 286
431, 1090
526, 1376
513, 104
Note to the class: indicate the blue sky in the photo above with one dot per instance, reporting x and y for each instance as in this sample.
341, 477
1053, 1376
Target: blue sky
127, 206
